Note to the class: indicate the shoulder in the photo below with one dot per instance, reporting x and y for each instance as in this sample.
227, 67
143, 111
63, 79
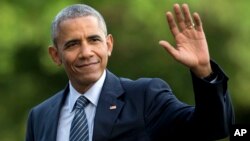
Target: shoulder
55, 100
148, 93
144, 83
138, 84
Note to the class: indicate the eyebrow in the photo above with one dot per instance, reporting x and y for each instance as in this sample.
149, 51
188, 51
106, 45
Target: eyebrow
71, 41
94, 37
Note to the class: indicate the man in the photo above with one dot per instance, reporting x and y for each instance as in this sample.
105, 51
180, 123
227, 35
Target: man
120, 109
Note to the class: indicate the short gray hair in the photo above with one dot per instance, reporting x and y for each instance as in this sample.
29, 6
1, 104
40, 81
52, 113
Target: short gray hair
75, 11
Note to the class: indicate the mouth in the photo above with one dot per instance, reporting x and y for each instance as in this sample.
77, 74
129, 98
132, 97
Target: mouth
89, 64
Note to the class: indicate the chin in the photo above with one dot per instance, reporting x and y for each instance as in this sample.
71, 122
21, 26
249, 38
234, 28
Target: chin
89, 78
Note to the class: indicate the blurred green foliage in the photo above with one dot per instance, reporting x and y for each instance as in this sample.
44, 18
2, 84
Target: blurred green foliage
28, 75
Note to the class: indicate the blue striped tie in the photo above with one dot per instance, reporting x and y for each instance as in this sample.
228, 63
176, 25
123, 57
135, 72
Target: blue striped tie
79, 127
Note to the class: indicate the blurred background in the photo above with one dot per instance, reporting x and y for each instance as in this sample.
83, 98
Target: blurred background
28, 75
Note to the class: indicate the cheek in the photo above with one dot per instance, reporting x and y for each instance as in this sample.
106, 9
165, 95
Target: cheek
104, 55
68, 58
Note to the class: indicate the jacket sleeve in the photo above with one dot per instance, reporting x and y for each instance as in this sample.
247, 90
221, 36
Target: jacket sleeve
210, 118
213, 108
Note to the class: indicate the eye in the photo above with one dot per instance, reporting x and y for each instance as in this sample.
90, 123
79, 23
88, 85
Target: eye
95, 39
72, 43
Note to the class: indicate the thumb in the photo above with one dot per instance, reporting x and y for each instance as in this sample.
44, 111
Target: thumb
168, 47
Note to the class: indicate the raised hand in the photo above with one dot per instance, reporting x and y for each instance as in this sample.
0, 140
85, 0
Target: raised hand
191, 46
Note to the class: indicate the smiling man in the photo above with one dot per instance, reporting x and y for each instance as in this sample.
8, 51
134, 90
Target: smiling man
83, 47
97, 105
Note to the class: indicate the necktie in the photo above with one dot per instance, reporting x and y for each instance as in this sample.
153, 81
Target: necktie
79, 127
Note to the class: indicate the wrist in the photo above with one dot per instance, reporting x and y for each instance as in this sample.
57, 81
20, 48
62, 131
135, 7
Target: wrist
203, 71
212, 76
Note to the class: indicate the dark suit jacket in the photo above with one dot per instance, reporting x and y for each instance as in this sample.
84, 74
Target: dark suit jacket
147, 110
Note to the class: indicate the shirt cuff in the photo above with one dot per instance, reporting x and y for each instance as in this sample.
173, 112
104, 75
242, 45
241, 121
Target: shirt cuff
211, 78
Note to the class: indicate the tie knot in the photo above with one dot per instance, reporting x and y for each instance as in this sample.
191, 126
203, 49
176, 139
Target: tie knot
81, 102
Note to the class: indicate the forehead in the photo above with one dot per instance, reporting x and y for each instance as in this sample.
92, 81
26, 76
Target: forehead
79, 22
78, 28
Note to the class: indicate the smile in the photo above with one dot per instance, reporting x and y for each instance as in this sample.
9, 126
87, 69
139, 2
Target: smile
87, 64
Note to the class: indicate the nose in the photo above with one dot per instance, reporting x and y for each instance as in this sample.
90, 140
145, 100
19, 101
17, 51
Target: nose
85, 51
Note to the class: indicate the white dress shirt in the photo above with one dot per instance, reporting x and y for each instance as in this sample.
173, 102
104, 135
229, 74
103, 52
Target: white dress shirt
67, 112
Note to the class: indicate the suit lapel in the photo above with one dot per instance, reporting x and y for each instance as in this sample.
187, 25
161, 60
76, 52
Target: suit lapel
54, 114
108, 108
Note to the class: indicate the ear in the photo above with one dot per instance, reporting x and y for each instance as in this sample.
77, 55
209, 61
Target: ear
54, 53
109, 41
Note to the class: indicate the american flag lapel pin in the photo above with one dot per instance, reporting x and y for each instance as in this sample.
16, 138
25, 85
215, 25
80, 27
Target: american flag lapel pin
112, 107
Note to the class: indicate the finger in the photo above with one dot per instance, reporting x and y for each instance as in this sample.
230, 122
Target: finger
187, 15
172, 25
168, 47
179, 17
198, 23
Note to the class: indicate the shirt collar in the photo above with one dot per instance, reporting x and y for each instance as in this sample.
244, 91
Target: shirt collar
92, 94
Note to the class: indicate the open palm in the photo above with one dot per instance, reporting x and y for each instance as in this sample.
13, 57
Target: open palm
191, 46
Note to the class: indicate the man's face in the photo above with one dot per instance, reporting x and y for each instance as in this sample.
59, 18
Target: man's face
83, 49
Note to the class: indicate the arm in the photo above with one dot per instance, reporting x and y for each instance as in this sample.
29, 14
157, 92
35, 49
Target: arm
213, 110
168, 118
